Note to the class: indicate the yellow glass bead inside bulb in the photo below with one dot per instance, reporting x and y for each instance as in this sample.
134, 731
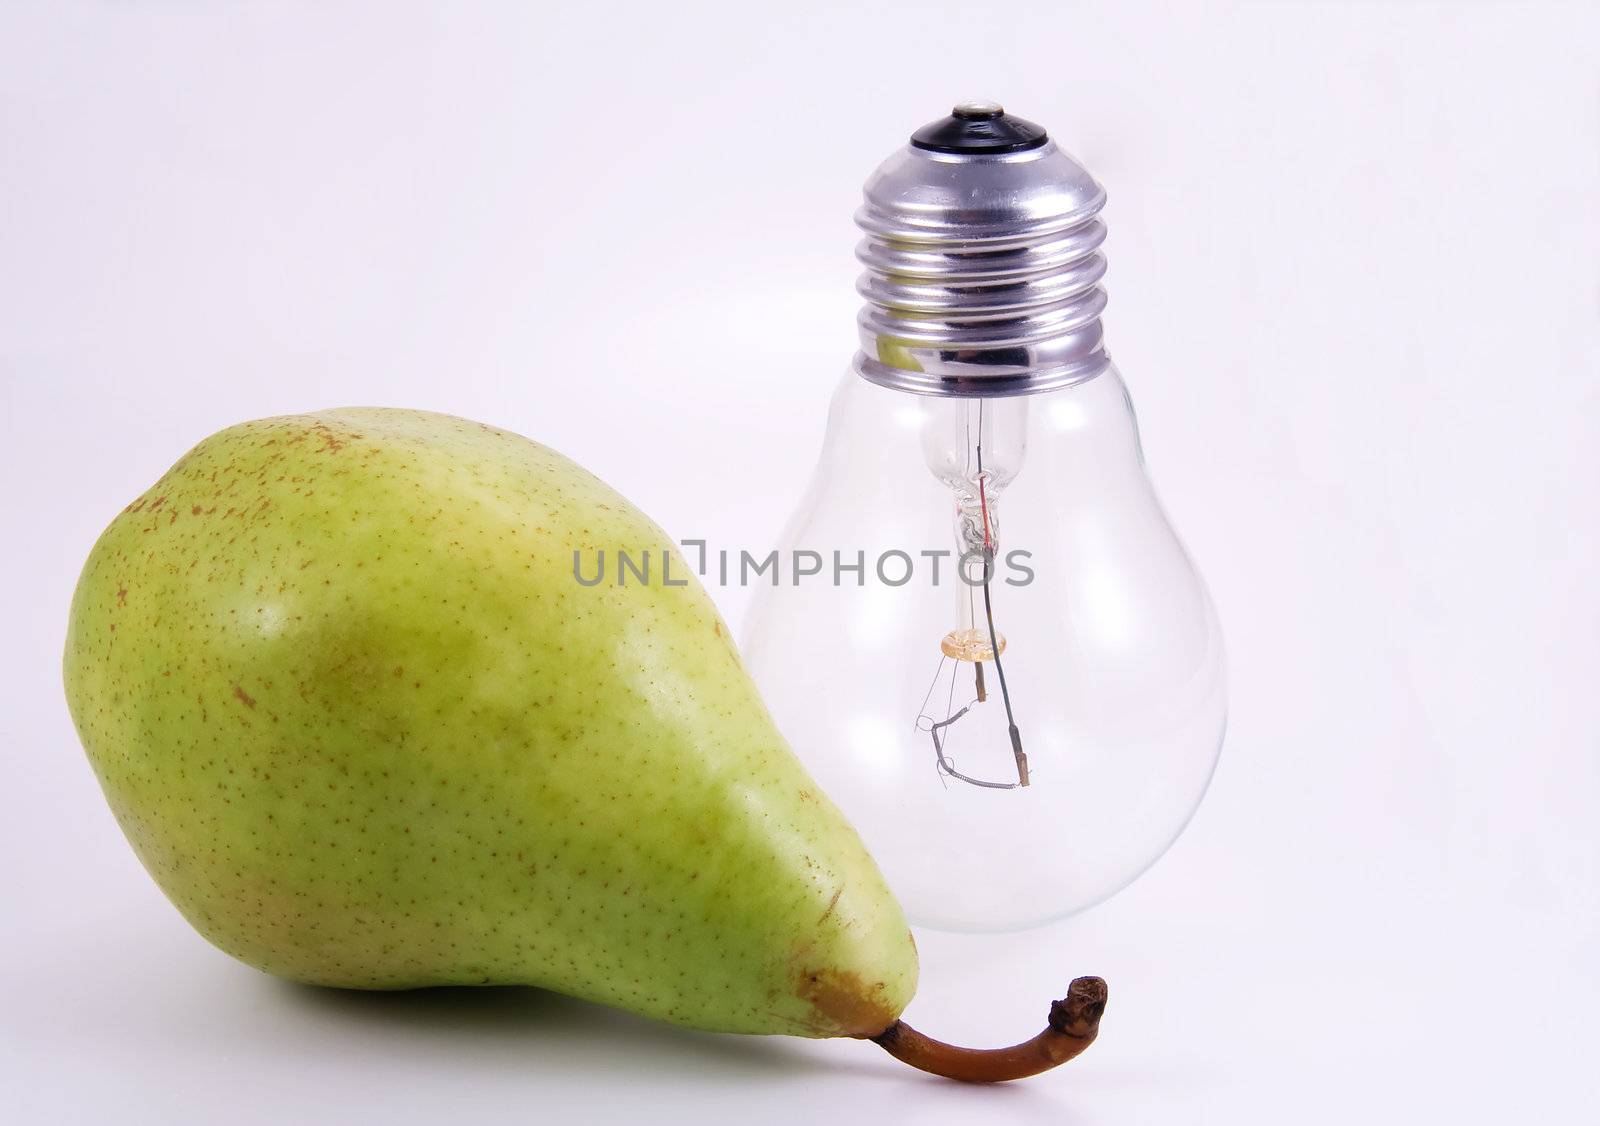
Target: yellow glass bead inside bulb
969, 645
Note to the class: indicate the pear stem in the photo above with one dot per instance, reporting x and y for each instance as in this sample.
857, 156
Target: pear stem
1074, 1023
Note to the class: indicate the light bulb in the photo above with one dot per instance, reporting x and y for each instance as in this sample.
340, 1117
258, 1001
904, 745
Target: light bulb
991, 648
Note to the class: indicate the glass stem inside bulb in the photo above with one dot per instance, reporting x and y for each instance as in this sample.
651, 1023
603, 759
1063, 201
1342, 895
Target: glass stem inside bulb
974, 641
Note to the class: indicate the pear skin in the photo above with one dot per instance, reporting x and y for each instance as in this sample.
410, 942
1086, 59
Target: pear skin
360, 719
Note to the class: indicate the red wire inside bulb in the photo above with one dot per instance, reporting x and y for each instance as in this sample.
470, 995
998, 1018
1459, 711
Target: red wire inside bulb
983, 504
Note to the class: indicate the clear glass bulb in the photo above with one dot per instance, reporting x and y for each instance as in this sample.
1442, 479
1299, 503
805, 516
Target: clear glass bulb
996, 794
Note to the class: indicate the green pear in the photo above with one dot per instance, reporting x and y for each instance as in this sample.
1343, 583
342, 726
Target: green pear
360, 719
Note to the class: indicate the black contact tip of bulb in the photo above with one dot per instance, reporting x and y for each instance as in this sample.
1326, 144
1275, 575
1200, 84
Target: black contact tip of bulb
979, 127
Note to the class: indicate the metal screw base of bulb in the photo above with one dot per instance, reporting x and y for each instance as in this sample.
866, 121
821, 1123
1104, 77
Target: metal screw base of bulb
982, 263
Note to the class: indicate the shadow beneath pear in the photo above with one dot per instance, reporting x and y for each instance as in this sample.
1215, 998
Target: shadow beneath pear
518, 1029
537, 1030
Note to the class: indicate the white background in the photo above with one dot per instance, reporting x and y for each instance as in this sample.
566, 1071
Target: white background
1354, 291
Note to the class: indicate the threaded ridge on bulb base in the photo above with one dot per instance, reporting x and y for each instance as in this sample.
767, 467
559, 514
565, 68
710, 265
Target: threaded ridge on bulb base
981, 273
